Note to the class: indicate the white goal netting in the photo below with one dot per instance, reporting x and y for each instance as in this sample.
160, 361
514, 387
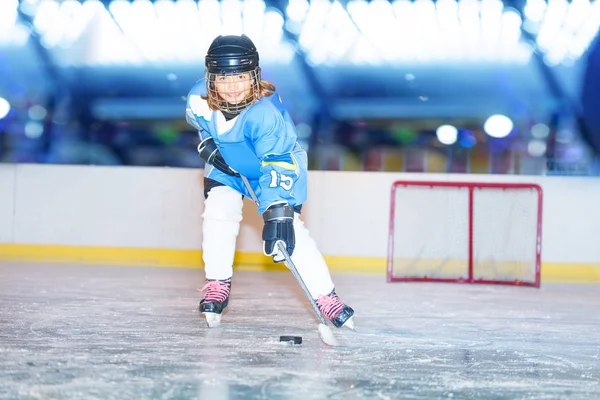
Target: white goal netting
465, 232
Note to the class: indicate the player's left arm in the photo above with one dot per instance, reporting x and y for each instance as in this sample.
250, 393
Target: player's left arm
274, 143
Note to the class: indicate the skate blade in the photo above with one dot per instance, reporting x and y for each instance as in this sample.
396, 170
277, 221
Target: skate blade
327, 335
213, 319
349, 324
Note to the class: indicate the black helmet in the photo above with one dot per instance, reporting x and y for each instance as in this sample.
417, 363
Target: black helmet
231, 55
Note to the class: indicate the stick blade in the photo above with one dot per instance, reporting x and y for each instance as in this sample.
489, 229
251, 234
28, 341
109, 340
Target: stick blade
327, 335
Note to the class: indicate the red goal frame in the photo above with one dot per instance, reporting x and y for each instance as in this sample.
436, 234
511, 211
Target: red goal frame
470, 186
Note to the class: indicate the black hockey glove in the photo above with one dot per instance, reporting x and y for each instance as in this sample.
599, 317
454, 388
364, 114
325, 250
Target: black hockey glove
211, 155
279, 227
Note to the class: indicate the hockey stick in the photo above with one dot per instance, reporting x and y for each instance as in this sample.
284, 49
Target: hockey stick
324, 331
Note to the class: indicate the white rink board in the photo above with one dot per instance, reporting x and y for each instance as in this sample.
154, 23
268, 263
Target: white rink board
7, 203
347, 212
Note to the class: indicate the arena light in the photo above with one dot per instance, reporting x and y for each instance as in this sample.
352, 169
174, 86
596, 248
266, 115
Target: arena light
540, 131
45, 13
550, 26
491, 22
12, 33
511, 28
37, 112
272, 27
253, 15
209, 12
231, 15
168, 23
576, 15
142, 24
359, 33
454, 44
342, 30
110, 46
456, 31
534, 11
536, 148
187, 16
4, 107
447, 134
33, 129
383, 23
78, 16
297, 9
314, 23
271, 44
498, 126
8, 19
564, 29
364, 53
339, 39
374, 44
60, 24
468, 15
335, 39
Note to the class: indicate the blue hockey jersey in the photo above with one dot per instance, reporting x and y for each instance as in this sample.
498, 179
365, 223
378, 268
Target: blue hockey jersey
260, 143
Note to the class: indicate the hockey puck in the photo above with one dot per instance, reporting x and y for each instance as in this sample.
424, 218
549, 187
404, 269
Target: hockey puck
291, 339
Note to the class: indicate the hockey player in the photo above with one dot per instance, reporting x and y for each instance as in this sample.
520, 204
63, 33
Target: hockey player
244, 129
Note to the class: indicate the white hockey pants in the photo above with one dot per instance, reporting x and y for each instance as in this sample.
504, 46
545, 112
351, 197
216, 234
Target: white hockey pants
221, 225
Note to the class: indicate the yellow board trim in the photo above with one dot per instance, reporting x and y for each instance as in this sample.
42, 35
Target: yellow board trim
176, 258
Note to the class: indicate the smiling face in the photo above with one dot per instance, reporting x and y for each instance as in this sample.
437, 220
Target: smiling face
234, 89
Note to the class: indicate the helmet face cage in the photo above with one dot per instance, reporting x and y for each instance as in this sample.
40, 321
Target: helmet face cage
234, 91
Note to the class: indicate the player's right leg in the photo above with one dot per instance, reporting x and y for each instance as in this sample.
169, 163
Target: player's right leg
221, 225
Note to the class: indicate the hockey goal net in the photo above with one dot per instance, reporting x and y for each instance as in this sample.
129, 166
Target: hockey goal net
465, 232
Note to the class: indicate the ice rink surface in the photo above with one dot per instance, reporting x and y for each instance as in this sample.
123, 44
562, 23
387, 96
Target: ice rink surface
93, 332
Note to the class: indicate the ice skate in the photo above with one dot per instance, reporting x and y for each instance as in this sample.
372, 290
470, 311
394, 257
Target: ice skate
216, 298
336, 311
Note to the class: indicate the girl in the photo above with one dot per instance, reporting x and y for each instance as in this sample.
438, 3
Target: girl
245, 130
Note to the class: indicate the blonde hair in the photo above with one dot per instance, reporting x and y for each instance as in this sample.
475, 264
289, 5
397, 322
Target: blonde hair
265, 89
